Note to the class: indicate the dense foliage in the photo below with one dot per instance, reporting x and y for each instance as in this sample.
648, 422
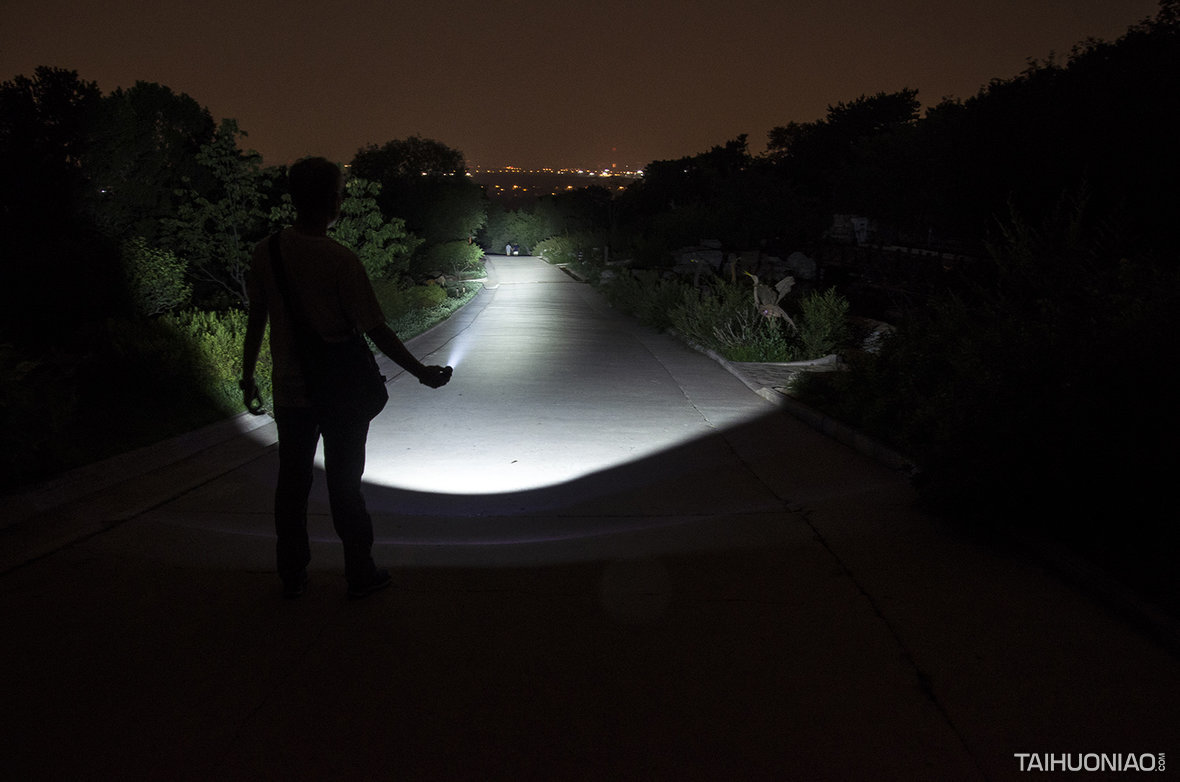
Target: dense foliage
425, 183
127, 222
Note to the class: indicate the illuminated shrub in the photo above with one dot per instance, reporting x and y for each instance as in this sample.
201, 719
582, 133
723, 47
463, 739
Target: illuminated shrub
155, 278
449, 258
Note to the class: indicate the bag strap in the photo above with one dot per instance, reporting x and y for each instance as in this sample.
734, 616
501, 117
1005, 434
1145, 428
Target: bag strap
305, 336
280, 275
304, 333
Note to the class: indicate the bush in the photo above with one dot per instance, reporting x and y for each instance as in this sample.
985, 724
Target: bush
753, 338
557, 249
452, 258
424, 297
391, 296
823, 327
155, 278
399, 299
750, 336
216, 340
581, 251
436, 305
645, 295
722, 318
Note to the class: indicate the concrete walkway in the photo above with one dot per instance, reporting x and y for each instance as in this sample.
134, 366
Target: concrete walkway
613, 561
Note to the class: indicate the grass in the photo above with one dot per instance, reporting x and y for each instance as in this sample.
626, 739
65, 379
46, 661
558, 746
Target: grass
124, 384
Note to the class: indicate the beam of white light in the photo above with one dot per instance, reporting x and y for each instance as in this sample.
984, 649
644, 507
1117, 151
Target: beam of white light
546, 391
550, 387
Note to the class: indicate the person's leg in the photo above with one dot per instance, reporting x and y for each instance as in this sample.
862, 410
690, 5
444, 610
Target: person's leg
299, 433
344, 465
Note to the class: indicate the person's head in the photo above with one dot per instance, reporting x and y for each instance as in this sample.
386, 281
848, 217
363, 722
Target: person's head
316, 185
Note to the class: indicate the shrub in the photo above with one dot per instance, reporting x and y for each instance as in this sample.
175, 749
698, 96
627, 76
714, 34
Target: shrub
437, 305
823, 327
557, 249
645, 295
749, 336
389, 296
216, 340
724, 319
422, 297
155, 278
581, 250
400, 299
450, 258
700, 311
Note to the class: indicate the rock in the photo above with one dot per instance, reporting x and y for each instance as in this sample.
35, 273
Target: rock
689, 257
801, 266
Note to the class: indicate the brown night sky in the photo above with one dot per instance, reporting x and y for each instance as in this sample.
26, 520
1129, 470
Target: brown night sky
543, 82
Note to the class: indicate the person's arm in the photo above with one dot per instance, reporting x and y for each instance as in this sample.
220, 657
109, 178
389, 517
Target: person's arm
388, 343
252, 343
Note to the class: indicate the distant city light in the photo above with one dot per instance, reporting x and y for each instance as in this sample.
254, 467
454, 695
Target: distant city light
518, 181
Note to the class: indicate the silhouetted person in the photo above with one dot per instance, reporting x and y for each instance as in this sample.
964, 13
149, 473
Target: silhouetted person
335, 300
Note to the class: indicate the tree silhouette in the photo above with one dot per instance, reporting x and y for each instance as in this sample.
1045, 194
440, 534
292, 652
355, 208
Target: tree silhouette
424, 182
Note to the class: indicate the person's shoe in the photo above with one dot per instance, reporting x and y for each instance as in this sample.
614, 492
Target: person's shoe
378, 580
295, 587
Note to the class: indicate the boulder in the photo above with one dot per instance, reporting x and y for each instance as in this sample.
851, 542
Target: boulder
802, 267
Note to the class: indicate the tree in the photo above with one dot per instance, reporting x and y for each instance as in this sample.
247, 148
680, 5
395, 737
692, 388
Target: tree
453, 208
424, 182
54, 271
833, 138
722, 193
215, 229
407, 158
45, 130
583, 210
829, 163
145, 144
384, 246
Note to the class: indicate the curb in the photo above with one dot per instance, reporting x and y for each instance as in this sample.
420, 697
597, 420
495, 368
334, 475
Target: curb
822, 422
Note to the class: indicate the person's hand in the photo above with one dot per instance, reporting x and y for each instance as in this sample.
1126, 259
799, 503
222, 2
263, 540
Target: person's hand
251, 396
435, 376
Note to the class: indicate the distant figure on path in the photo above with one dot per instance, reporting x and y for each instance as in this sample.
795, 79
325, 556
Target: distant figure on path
318, 299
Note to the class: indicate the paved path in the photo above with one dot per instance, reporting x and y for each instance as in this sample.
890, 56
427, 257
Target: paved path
613, 561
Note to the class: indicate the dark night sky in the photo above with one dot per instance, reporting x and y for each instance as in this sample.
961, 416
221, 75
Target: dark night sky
543, 82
